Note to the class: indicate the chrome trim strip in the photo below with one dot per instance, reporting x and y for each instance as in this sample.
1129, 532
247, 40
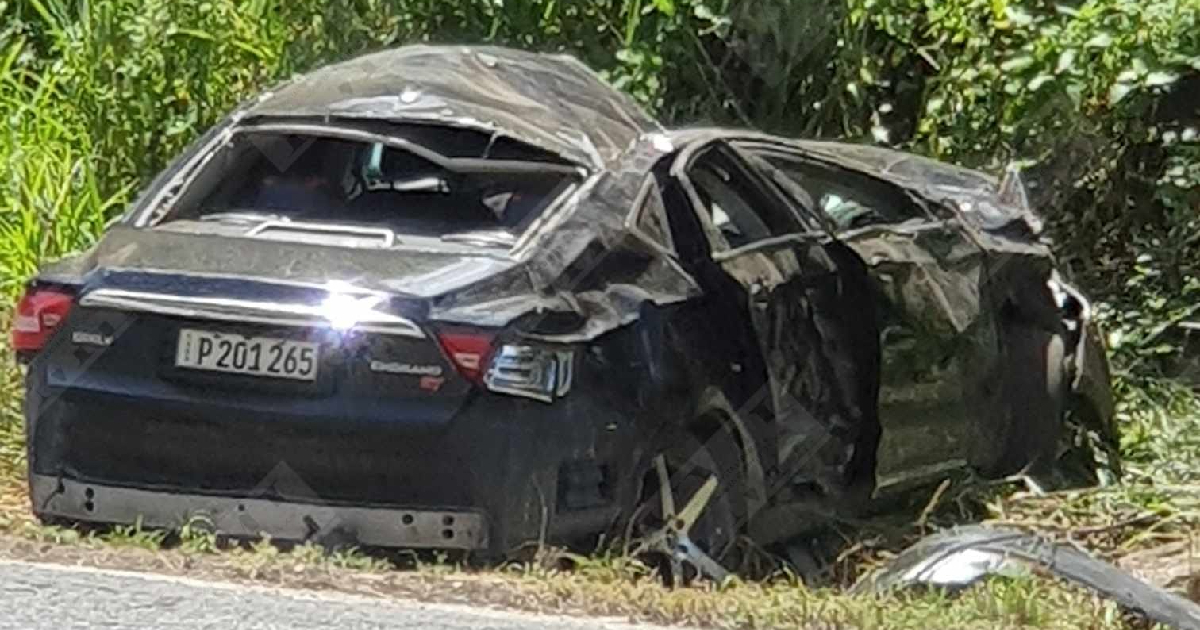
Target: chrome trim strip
462, 165
889, 481
1085, 321
387, 237
252, 517
233, 310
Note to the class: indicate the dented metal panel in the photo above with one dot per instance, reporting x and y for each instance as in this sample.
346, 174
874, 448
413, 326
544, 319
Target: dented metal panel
937, 333
253, 516
549, 101
584, 259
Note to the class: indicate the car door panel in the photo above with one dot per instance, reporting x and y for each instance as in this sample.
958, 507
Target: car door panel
937, 331
780, 284
787, 301
938, 346
715, 332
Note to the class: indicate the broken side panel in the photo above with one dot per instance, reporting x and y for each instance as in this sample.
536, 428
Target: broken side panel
798, 302
939, 346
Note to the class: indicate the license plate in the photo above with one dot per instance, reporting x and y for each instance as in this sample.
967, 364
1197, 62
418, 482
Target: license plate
255, 356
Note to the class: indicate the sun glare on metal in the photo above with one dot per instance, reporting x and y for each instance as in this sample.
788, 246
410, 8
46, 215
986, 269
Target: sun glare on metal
344, 310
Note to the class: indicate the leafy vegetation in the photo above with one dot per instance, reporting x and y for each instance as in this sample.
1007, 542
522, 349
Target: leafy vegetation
1097, 98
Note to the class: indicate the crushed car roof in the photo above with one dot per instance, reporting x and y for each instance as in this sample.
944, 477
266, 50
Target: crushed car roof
898, 164
977, 195
553, 102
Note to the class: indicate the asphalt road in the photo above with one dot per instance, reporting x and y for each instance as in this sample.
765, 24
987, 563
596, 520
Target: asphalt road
42, 596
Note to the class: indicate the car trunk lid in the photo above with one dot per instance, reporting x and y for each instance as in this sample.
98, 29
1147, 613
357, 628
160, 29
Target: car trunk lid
297, 352
418, 272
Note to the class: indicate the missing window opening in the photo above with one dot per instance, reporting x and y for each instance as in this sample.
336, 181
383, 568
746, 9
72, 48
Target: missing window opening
314, 179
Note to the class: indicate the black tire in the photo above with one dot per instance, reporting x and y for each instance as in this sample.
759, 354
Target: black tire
1074, 464
692, 457
1035, 393
1085, 457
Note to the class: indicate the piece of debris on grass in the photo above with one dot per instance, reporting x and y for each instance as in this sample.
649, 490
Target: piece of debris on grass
963, 556
1151, 531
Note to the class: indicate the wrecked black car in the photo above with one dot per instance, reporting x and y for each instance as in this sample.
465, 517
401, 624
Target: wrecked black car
473, 298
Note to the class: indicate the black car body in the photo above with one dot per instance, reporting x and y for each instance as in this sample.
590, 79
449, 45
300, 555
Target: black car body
494, 293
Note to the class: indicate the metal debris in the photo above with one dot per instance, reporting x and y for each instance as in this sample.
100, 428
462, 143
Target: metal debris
966, 555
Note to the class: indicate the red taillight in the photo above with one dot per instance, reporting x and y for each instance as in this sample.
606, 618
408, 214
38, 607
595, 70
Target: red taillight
470, 352
38, 313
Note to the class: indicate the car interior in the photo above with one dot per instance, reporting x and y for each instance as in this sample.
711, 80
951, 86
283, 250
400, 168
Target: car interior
319, 180
734, 208
849, 200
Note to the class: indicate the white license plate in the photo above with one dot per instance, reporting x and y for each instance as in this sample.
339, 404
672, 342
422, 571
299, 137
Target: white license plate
256, 356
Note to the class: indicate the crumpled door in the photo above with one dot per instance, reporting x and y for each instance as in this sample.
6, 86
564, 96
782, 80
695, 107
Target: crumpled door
773, 265
939, 345
796, 299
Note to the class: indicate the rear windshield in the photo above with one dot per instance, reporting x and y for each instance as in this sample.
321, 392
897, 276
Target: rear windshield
315, 180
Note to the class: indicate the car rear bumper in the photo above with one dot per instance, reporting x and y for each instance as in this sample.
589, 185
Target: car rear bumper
506, 470
246, 517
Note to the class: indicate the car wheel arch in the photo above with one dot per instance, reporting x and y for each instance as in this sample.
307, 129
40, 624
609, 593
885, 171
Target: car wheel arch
713, 413
1033, 417
1087, 412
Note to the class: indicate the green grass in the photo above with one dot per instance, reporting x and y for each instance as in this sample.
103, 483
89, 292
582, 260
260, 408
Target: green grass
51, 199
600, 586
1160, 424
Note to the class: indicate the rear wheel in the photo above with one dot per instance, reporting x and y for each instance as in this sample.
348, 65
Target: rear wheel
691, 506
1035, 392
1084, 457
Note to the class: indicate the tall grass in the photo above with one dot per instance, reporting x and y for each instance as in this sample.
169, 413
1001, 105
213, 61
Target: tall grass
51, 201
97, 96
